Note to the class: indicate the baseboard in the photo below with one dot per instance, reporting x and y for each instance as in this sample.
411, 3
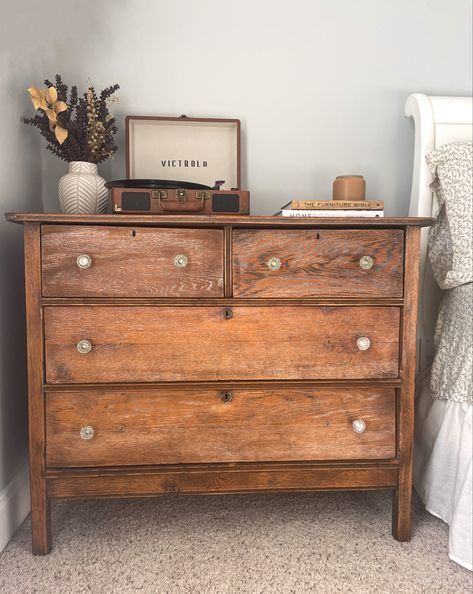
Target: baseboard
14, 504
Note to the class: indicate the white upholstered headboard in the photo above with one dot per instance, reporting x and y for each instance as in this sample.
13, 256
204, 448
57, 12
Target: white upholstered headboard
438, 121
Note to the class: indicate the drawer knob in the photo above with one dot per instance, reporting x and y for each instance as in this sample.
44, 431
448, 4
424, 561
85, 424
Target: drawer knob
87, 432
366, 262
84, 346
363, 343
180, 261
274, 263
226, 396
84, 261
359, 426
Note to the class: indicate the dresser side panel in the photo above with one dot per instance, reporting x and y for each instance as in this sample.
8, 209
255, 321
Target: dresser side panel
41, 531
402, 498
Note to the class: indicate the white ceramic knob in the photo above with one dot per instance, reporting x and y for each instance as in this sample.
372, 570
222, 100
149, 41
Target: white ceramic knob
274, 263
366, 262
84, 261
359, 426
180, 261
87, 432
363, 343
84, 346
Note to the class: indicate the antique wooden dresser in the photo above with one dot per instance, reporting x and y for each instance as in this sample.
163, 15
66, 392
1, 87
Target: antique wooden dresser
216, 354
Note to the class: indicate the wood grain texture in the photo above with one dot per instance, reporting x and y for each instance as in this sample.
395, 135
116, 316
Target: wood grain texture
143, 469
198, 344
317, 263
40, 512
131, 262
159, 360
215, 220
230, 479
226, 301
228, 261
194, 426
402, 506
229, 385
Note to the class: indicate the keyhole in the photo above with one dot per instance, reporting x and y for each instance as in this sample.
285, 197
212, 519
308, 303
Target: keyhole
227, 313
226, 396
133, 233
318, 235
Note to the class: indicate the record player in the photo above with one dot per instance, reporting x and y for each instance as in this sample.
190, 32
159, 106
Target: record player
197, 151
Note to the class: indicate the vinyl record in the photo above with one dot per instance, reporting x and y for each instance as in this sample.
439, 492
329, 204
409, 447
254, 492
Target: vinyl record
161, 184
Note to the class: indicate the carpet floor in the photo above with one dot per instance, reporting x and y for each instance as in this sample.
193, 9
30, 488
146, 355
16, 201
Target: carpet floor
272, 543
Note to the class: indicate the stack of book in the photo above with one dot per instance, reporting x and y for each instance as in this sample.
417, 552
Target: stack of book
333, 208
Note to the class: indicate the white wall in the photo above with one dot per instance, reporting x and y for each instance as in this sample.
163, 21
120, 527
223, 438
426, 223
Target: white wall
20, 189
34, 43
318, 84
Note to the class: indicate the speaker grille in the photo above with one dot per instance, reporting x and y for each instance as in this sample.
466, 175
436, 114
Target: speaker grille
135, 201
225, 203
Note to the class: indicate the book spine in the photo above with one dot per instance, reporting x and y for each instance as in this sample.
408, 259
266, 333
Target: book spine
332, 213
337, 205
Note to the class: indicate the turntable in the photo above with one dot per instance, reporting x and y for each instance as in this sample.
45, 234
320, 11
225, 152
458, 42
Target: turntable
157, 196
196, 150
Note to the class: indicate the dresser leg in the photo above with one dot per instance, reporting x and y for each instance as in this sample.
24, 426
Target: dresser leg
40, 527
402, 514
40, 516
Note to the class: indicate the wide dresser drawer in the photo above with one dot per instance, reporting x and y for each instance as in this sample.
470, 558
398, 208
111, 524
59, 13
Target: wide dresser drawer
98, 261
316, 263
99, 344
204, 426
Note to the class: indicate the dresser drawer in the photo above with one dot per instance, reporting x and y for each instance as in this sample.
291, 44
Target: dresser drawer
81, 261
315, 263
205, 343
174, 427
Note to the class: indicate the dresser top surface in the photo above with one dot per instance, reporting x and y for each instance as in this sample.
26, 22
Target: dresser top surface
214, 220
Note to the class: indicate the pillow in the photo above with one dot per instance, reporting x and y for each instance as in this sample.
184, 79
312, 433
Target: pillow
451, 235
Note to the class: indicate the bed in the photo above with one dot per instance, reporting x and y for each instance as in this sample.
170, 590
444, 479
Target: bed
443, 423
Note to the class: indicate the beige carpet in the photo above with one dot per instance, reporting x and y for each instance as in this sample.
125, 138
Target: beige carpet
285, 543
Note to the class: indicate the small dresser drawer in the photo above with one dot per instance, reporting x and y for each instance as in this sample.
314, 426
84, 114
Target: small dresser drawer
204, 343
82, 261
204, 426
316, 263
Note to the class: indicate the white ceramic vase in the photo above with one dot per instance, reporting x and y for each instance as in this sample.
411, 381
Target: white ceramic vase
82, 190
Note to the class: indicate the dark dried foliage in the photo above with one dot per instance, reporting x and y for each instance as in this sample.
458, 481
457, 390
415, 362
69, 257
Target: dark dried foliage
77, 146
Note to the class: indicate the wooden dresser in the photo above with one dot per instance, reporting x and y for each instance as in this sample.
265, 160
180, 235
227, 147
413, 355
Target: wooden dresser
197, 354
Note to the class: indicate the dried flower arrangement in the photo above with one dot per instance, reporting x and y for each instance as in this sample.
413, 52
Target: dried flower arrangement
77, 128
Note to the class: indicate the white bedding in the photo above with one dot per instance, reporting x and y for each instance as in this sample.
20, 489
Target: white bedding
452, 369
443, 466
443, 443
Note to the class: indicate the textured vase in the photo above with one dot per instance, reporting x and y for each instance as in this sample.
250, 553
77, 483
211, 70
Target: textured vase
82, 190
